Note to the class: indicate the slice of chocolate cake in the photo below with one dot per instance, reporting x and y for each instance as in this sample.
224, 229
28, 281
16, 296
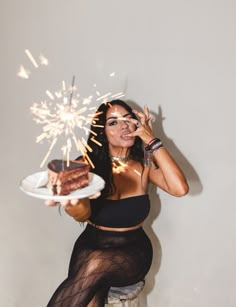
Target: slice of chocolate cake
63, 179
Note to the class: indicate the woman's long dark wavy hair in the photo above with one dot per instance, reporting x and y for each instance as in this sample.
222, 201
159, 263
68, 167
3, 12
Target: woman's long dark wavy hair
100, 154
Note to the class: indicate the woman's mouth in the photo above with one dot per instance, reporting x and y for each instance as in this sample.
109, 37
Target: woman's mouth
126, 136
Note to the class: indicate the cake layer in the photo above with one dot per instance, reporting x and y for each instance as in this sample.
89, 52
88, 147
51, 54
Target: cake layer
71, 186
63, 178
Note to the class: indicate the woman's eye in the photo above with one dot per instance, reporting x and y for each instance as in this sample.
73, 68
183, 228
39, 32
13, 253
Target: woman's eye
112, 123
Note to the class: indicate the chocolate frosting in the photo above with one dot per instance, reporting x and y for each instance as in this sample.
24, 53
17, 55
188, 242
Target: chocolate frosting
61, 165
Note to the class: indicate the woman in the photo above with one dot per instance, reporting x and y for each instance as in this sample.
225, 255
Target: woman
114, 250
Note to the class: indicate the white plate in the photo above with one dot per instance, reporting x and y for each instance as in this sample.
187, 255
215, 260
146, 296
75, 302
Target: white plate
34, 185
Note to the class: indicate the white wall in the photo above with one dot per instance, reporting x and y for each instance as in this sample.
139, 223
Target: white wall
178, 57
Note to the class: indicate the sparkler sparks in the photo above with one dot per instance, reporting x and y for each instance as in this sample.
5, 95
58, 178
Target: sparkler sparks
32, 59
43, 60
24, 73
119, 167
62, 116
64, 113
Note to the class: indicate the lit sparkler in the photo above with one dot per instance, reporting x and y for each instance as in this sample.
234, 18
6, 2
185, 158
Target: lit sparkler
62, 116
64, 113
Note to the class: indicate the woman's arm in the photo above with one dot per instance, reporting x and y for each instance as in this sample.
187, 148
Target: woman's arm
167, 174
79, 209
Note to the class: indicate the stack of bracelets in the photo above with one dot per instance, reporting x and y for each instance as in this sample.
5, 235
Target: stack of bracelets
153, 145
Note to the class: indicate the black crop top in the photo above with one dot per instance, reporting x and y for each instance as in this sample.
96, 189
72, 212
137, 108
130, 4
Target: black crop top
125, 212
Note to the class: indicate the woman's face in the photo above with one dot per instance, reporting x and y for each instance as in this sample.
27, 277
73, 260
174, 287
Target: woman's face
117, 128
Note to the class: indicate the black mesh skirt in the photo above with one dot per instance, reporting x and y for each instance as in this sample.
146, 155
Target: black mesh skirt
101, 259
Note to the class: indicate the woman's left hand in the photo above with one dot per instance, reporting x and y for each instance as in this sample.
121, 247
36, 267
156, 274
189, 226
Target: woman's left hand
144, 130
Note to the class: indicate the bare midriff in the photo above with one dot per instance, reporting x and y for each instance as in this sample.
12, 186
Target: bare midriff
115, 229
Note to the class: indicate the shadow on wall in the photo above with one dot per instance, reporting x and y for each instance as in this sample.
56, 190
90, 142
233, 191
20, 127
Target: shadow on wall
195, 186
195, 189
189, 171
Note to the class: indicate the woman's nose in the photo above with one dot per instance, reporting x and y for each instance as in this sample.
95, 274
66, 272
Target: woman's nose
124, 124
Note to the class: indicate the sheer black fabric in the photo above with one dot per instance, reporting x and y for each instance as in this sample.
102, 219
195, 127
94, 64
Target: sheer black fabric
101, 259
